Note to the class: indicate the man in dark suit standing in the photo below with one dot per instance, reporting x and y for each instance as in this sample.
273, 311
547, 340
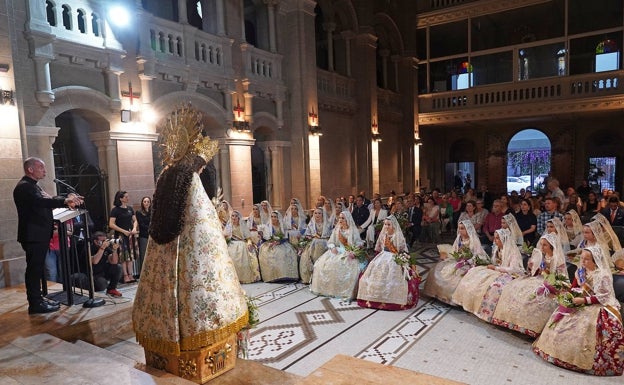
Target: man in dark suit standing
34, 229
360, 214
613, 212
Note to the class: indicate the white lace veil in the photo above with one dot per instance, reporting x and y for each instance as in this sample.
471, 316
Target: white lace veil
612, 237
558, 259
475, 242
251, 220
510, 250
602, 278
398, 239
561, 233
352, 234
516, 233
577, 225
288, 217
265, 216
229, 227
312, 229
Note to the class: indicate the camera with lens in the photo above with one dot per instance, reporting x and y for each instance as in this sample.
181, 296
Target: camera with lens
114, 241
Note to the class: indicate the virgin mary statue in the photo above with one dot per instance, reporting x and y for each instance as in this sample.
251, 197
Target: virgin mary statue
189, 305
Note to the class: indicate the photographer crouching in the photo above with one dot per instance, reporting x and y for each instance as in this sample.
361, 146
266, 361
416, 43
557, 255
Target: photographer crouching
106, 267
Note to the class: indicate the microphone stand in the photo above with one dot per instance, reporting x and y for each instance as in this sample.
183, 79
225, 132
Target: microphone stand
92, 301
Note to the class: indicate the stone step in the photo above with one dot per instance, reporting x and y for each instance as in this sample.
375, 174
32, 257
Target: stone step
79, 364
345, 370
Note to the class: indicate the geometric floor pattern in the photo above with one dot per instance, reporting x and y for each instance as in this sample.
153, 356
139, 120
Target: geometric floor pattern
299, 331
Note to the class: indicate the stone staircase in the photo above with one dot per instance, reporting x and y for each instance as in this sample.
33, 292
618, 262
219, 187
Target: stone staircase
45, 359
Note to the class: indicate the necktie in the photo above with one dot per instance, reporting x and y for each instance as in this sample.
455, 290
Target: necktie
613, 215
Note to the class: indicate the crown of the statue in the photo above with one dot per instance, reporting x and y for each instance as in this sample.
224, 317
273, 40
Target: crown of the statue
182, 138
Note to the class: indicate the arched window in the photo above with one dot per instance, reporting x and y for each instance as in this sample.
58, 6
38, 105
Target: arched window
95, 24
528, 160
67, 17
82, 21
51, 13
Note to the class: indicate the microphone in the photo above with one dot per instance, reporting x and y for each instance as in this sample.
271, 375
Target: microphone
63, 183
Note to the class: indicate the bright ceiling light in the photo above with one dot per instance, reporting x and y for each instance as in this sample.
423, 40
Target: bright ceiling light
119, 15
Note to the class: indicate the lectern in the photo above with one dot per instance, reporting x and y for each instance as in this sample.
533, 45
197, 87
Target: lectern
67, 248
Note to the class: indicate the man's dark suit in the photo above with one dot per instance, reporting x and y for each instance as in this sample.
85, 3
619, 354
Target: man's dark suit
34, 230
619, 216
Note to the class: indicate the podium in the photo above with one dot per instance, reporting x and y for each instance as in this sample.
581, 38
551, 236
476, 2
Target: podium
67, 251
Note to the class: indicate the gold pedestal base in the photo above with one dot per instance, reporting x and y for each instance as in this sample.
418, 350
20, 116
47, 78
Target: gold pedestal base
199, 366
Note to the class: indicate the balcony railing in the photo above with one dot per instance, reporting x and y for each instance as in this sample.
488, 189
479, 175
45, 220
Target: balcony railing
261, 65
533, 91
433, 5
334, 85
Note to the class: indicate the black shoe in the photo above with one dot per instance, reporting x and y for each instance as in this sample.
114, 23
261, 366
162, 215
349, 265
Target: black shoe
51, 301
42, 307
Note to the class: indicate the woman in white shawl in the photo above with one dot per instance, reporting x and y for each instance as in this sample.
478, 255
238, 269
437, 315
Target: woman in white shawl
525, 304
377, 215
574, 227
554, 225
590, 337
265, 212
242, 250
443, 279
389, 282
254, 224
337, 271
295, 221
479, 290
317, 233
509, 222
617, 257
277, 257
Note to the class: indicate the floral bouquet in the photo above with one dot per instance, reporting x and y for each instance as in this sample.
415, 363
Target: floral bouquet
526, 248
553, 284
243, 334
302, 244
355, 252
407, 262
566, 305
277, 239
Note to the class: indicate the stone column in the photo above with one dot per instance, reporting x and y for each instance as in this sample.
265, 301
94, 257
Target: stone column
107, 156
248, 107
182, 12
224, 170
44, 94
271, 5
384, 53
40, 141
347, 36
277, 175
220, 18
329, 29
240, 186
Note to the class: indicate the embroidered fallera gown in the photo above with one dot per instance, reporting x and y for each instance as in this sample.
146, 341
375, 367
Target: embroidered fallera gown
189, 296
385, 284
589, 339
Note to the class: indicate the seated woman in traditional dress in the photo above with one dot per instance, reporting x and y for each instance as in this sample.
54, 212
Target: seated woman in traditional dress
337, 271
479, 290
277, 257
224, 211
254, 224
377, 215
445, 276
574, 227
295, 221
616, 261
509, 222
389, 282
590, 337
265, 212
554, 225
317, 233
526, 303
330, 211
189, 298
243, 251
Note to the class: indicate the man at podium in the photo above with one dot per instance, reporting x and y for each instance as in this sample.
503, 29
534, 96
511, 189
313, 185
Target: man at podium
34, 229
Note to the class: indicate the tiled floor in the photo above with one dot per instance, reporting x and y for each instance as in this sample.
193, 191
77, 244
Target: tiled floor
300, 332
